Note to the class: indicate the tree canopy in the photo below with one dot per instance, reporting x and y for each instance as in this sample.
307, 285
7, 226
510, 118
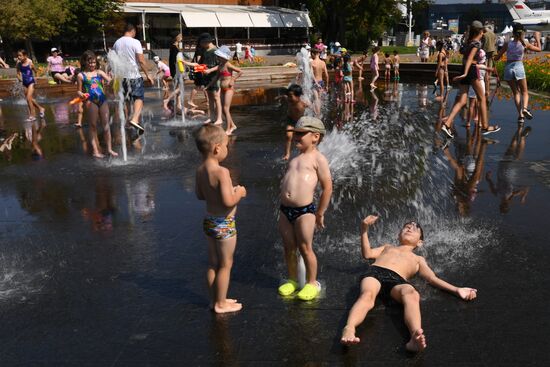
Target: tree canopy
33, 19
355, 22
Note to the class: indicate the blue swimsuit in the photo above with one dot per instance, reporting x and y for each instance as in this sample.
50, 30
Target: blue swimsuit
26, 75
94, 87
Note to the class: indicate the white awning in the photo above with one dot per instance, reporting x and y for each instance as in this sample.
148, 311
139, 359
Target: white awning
234, 16
234, 19
267, 20
194, 19
292, 20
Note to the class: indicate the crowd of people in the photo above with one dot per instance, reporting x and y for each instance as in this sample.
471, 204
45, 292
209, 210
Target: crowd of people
213, 74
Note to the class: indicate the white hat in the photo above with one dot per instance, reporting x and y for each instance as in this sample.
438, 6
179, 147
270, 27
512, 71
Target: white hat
308, 47
156, 58
224, 52
54, 49
337, 44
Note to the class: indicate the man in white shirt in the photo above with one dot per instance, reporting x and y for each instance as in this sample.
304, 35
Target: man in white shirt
239, 49
130, 49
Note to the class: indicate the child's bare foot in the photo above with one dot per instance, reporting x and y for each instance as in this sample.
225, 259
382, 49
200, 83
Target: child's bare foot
228, 300
218, 122
286, 157
191, 104
417, 342
361, 78
227, 307
98, 155
206, 122
113, 153
348, 336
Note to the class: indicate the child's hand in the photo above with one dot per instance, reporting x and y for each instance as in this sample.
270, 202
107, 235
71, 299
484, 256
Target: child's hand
319, 220
240, 189
466, 294
369, 221
460, 77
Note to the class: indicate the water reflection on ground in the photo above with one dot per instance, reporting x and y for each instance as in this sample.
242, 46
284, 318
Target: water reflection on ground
102, 261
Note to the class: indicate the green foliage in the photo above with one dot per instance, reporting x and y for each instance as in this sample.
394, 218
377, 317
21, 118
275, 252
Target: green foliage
88, 17
33, 19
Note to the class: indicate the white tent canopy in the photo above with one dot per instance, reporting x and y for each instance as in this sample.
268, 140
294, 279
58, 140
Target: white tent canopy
219, 16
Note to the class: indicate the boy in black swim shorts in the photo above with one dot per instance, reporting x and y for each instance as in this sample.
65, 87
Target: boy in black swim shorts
388, 278
299, 215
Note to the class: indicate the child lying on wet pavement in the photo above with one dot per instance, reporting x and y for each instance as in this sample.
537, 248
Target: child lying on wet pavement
388, 278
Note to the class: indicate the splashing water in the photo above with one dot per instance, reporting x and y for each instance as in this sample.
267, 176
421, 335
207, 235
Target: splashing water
17, 92
120, 68
342, 153
388, 167
305, 79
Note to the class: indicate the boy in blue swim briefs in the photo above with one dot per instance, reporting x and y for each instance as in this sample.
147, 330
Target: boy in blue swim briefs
213, 184
299, 215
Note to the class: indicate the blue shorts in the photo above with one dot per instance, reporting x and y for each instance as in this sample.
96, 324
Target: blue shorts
348, 78
514, 71
133, 89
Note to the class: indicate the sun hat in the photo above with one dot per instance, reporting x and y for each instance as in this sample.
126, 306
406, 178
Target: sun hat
476, 24
156, 58
310, 124
224, 52
337, 44
54, 49
343, 49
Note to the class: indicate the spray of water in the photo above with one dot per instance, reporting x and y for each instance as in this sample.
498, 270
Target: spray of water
305, 78
120, 68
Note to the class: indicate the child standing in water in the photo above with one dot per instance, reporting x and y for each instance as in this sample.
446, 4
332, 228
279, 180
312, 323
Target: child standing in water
90, 90
374, 67
299, 215
25, 74
213, 184
347, 69
388, 278
227, 82
387, 65
163, 72
296, 109
395, 65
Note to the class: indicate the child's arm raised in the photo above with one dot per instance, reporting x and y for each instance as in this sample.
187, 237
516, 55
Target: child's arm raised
366, 250
464, 293
325, 179
230, 195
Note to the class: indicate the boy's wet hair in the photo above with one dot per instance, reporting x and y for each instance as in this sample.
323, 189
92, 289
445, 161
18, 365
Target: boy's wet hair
395, 52
207, 136
314, 50
295, 89
417, 226
387, 54
347, 58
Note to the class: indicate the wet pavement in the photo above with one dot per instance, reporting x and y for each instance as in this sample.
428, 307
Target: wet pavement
102, 261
